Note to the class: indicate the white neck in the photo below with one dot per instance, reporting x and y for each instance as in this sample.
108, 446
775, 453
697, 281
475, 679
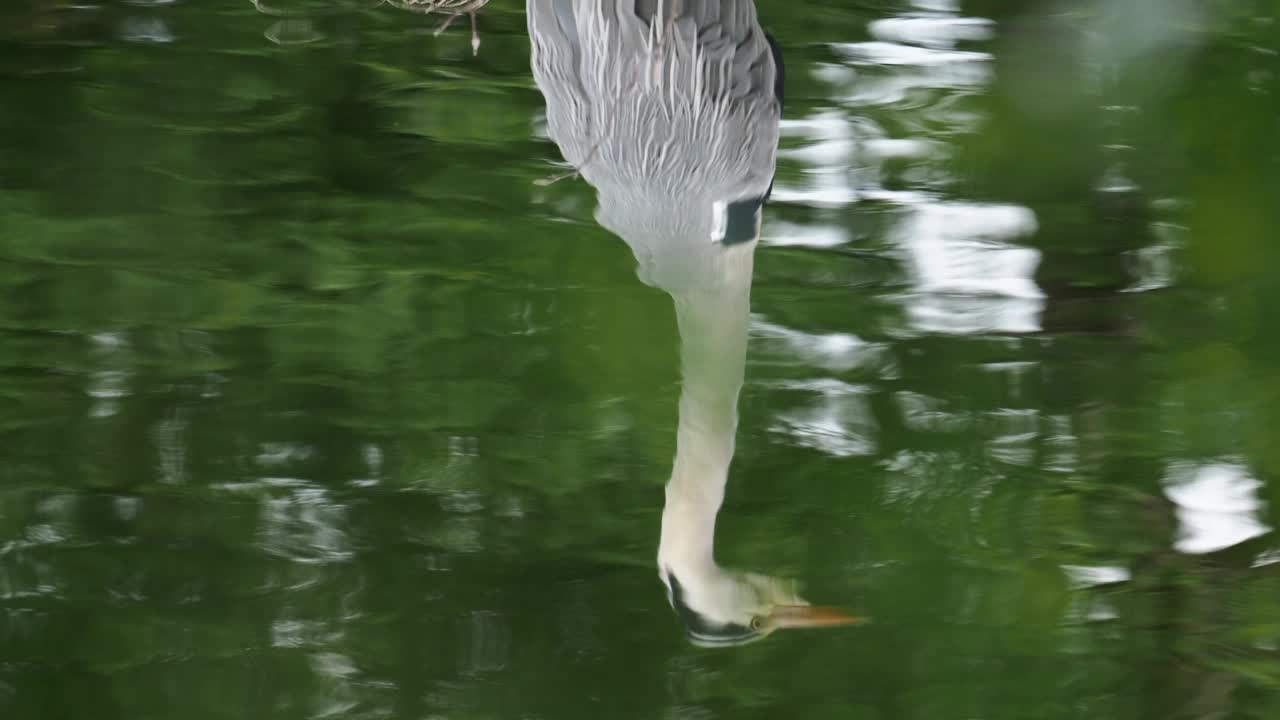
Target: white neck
713, 320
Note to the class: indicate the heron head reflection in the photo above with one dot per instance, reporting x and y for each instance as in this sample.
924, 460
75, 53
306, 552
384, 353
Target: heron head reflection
731, 608
670, 109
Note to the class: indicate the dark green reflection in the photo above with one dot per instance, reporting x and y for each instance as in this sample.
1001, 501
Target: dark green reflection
313, 403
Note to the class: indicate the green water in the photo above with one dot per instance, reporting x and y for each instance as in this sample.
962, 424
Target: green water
314, 404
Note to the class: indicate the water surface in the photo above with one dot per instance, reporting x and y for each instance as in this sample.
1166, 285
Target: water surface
313, 403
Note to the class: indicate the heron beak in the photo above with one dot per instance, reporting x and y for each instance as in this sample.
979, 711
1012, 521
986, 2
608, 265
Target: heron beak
809, 616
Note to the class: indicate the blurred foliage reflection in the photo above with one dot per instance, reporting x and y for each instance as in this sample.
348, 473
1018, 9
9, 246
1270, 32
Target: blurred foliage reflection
313, 403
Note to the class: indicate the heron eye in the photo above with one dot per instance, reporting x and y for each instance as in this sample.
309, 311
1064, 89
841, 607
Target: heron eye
757, 623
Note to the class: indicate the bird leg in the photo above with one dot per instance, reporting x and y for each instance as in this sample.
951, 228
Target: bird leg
574, 173
475, 32
446, 24
553, 179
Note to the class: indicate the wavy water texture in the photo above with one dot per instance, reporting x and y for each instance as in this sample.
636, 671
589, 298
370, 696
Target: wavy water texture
314, 403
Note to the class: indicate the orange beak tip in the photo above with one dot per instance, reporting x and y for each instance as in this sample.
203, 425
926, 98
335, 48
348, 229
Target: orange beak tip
809, 616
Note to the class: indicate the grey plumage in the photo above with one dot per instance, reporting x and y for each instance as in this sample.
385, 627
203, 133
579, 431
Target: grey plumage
666, 107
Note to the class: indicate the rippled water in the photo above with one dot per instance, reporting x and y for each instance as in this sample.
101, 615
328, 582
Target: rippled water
315, 403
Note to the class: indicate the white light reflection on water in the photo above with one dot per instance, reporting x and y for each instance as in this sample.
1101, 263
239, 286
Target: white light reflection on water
837, 352
933, 31
784, 234
891, 53
968, 273
305, 526
1218, 505
923, 413
336, 696
824, 145
26, 574
1270, 557
1059, 445
275, 454
1013, 435
1154, 267
837, 419
967, 277
1086, 576
901, 95
373, 463
110, 384
895, 73
834, 417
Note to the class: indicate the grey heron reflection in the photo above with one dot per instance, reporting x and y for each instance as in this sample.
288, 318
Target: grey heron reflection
670, 110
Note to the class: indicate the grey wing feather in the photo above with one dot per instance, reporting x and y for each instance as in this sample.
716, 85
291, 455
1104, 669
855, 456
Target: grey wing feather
556, 58
658, 87
669, 109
